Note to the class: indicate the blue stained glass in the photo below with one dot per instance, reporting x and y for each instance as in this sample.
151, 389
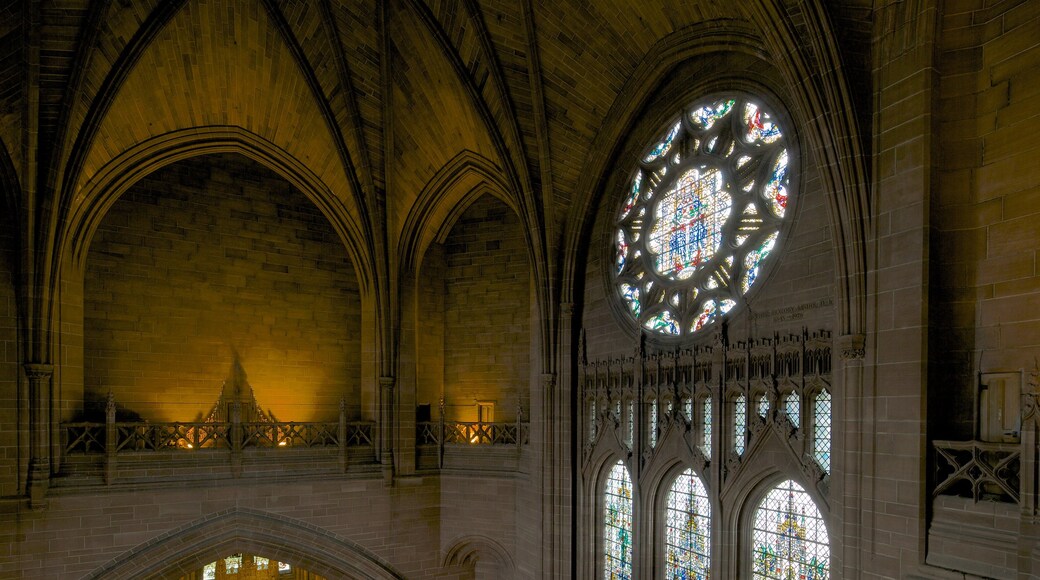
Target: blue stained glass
776, 189
760, 126
687, 227
622, 251
790, 539
663, 147
631, 295
663, 322
688, 533
753, 261
706, 116
617, 533
822, 429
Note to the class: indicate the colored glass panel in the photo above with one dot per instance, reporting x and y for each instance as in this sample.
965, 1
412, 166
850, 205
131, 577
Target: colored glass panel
739, 423
706, 116
763, 406
663, 323
232, 564
688, 530
283, 567
753, 261
661, 148
687, 227
617, 526
789, 537
699, 216
631, 296
759, 125
776, 187
822, 430
631, 418
209, 571
261, 563
592, 420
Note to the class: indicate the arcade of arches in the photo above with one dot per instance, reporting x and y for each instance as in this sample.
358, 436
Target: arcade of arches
519, 289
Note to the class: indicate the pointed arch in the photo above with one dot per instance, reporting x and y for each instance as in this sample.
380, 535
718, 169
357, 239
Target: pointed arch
191, 546
456, 185
467, 550
132, 165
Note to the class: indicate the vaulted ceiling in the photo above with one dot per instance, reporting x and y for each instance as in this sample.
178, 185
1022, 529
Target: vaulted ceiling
374, 97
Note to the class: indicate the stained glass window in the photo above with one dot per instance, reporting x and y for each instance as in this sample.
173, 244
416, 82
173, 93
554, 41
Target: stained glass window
284, 568
739, 423
706, 424
688, 533
209, 571
617, 530
261, 563
701, 215
763, 405
232, 564
790, 536
688, 406
822, 429
793, 408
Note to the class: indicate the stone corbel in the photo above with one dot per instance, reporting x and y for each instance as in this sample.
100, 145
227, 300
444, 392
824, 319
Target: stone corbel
851, 347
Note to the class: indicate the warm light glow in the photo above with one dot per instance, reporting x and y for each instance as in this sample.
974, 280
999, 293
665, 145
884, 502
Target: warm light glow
282, 443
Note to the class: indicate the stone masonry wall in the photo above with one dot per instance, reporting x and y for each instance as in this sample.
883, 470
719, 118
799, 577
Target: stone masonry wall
486, 312
212, 256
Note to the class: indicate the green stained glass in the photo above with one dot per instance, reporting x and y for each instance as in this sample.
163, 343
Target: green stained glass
688, 530
617, 528
789, 537
662, 148
663, 323
708, 115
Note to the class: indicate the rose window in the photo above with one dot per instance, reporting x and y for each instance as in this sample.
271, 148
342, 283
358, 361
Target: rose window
701, 216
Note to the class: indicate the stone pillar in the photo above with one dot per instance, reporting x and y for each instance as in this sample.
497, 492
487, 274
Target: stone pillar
550, 506
386, 428
847, 444
39, 376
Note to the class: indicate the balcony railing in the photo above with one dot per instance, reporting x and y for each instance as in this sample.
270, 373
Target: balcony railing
186, 436
471, 433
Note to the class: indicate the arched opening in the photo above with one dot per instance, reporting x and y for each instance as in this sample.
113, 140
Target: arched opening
250, 567
473, 319
789, 536
214, 263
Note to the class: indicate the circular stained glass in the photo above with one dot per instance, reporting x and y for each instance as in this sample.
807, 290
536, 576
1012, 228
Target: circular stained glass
701, 216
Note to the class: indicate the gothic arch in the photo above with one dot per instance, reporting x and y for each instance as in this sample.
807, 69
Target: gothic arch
192, 545
466, 550
455, 186
141, 160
